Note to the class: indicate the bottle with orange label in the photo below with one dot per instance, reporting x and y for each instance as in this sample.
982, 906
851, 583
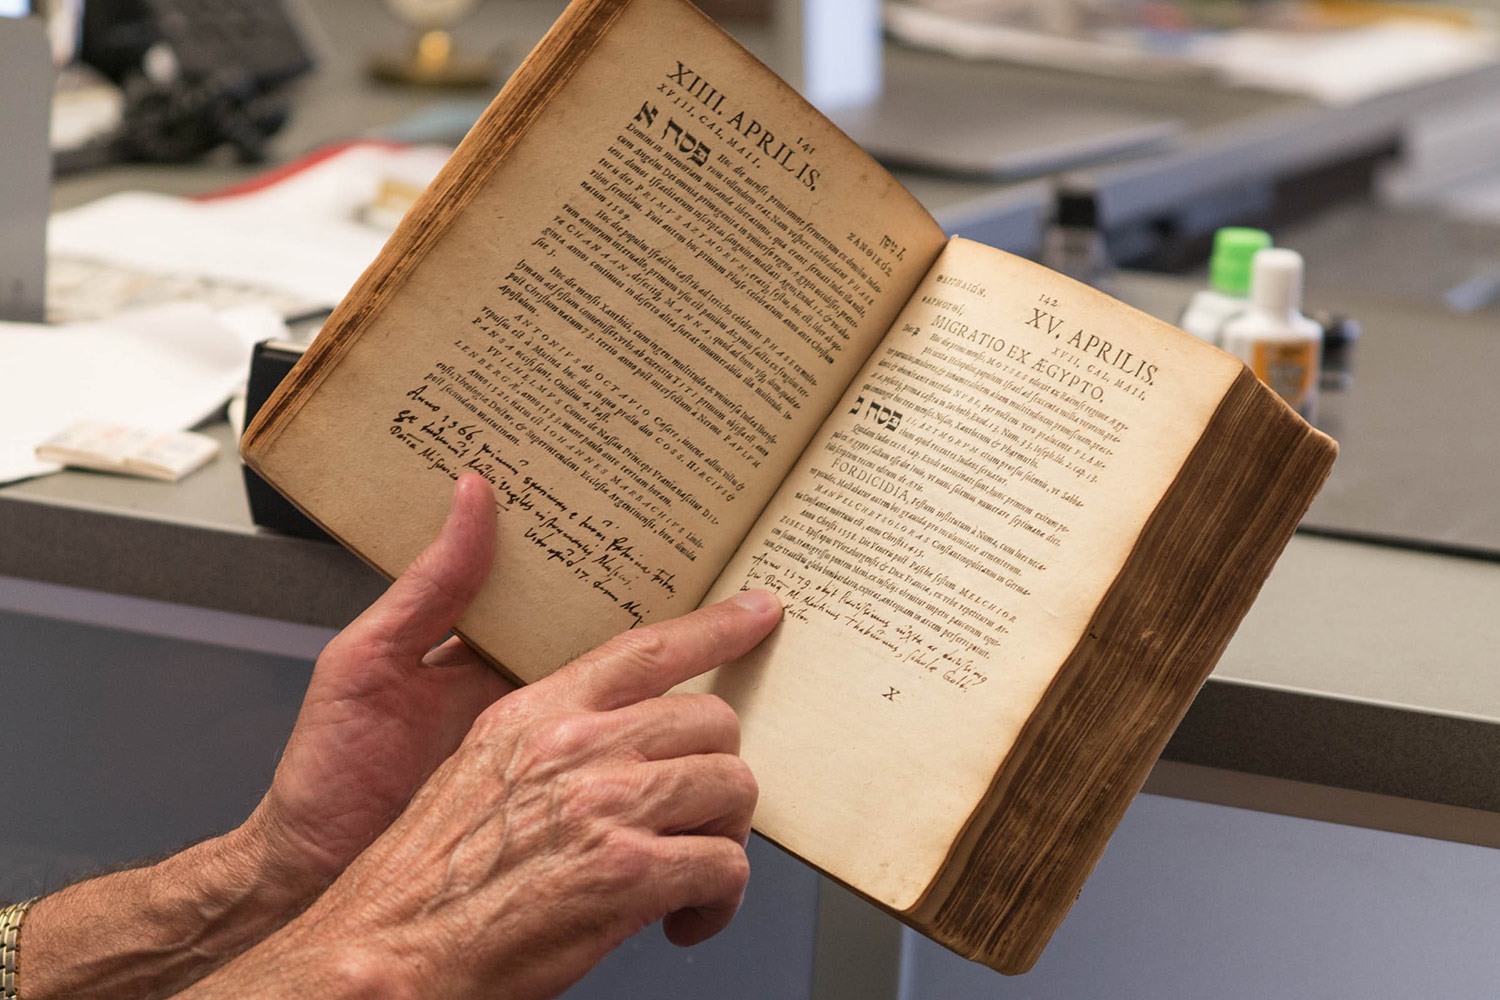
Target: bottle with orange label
1280, 345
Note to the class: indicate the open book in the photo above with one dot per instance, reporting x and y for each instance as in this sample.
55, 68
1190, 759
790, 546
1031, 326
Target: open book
699, 341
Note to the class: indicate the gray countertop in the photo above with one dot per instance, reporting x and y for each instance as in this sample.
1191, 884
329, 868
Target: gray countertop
1361, 687
1367, 667
189, 543
1229, 136
1363, 669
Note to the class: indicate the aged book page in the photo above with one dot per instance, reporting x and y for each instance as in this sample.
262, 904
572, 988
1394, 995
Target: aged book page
940, 549
632, 328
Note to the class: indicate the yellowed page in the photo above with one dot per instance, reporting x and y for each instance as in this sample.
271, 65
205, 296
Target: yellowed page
632, 331
940, 549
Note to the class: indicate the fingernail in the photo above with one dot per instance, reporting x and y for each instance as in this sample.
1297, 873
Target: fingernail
761, 602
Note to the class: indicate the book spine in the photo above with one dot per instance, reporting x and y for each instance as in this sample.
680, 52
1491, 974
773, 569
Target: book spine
1111, 709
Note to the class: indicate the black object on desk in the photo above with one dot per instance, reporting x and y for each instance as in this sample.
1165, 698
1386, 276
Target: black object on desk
196, 75
269, 364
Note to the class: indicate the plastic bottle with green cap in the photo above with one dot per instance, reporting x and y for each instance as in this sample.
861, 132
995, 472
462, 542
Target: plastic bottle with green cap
1229, 278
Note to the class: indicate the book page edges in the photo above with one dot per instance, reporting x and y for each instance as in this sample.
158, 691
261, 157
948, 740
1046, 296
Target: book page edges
1189, 580
518, 105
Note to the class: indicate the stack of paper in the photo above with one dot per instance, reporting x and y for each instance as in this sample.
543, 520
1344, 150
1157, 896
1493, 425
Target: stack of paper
294, 241
161, 369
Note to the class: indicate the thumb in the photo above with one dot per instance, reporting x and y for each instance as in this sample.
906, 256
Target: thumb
422, 605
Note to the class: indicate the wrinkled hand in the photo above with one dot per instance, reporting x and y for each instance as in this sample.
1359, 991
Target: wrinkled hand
577, 811
383, 708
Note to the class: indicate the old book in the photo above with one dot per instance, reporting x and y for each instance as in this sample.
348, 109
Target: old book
699, 341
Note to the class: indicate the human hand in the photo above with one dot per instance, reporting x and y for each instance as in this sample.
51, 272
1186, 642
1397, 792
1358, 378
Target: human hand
577, 811
383, 708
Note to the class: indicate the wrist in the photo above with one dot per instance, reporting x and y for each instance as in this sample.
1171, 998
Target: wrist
299, 961
374, 933
344, 951
11, 918
258, 853
304, 862
150, 932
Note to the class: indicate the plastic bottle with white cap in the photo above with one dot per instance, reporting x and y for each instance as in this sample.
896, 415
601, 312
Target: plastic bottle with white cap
1280, 345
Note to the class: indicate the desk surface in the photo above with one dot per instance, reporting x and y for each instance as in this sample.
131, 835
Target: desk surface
1360, 687
1366, 667
1229, 135
1362, 668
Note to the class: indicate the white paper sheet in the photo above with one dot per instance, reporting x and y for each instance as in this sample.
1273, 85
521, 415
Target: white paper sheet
1345, 67
302, 236
1335, 66
165, 369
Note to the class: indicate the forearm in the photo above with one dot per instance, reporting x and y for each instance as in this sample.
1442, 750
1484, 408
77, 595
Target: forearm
151, 932
311, 959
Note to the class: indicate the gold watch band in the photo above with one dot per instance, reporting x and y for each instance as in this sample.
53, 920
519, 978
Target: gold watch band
10, 949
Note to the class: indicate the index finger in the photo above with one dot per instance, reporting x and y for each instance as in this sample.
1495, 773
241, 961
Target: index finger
646, 662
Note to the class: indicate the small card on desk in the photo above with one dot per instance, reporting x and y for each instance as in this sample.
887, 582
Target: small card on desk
131, 451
